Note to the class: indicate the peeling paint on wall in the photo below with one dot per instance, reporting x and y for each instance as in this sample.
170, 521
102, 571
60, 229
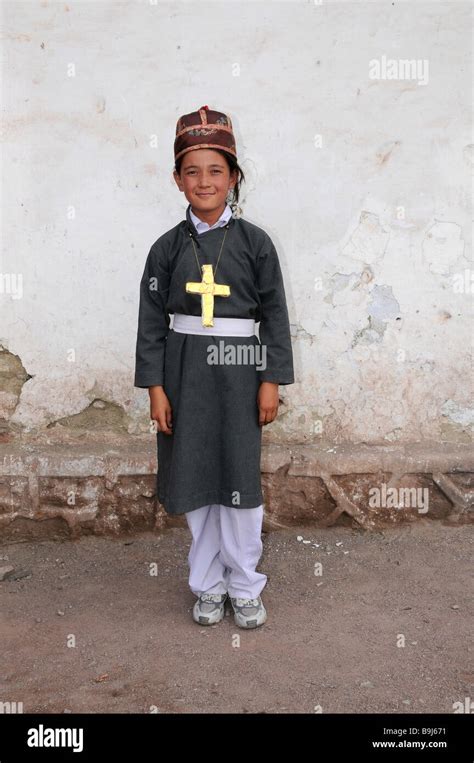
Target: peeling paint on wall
458, 414
442, 247
98, 415
369, 240
12, 378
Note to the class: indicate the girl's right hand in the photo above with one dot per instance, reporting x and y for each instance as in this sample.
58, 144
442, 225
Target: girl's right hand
160, 410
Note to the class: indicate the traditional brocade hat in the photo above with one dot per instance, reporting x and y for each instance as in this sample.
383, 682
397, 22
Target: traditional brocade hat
204, 128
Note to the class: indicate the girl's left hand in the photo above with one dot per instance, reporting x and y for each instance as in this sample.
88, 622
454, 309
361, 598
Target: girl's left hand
267, 401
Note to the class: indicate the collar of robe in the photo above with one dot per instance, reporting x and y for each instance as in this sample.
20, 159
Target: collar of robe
191, 228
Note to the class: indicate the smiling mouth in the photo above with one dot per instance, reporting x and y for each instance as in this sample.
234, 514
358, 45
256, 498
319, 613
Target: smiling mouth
205, 194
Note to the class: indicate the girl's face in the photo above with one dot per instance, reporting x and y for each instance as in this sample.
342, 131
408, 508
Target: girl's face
205, 179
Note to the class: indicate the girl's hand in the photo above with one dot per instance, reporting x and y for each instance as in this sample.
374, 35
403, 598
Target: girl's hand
267, 401
160, 409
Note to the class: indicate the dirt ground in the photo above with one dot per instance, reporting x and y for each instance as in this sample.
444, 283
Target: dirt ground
330, 640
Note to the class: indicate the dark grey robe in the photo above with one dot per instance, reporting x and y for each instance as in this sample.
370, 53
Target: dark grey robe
213, 455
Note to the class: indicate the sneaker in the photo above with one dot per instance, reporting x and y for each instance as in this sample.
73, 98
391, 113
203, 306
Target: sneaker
249, 613
209, 608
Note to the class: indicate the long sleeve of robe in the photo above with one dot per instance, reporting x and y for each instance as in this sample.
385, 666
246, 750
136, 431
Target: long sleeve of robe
153, 320
274, 328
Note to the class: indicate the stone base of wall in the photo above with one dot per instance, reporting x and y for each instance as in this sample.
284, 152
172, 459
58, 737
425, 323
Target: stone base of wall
63, 489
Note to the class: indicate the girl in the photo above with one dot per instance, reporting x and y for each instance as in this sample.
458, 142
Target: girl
212, 383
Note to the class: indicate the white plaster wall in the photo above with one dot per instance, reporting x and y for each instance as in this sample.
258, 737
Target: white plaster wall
371, 221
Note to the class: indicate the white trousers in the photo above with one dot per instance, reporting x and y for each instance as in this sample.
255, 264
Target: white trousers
225, 549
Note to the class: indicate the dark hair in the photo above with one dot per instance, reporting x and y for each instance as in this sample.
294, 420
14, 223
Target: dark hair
233, 197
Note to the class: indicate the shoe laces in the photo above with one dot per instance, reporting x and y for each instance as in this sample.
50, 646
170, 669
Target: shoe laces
216, 597
247, 602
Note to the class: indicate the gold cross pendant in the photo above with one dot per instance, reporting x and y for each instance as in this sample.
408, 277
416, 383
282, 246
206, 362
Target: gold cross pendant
208, 290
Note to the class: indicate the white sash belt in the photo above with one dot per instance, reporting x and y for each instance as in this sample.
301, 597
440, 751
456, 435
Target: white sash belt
192, 324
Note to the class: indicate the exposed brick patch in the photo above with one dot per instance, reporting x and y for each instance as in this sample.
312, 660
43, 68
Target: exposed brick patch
70, 489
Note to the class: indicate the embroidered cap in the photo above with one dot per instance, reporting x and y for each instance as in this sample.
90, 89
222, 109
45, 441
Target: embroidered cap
204, 128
